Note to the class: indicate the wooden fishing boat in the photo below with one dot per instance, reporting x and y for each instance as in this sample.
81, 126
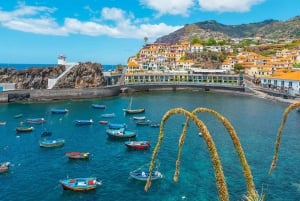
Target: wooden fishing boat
103, 122
137, 145
98, 106
77, 155
2, 123
4, 167
134, 111
18, 116
143, 175
49, 143
109, 115
143, 123
121, 133
24, 129
80, 184
139, 117
35, 120
59, 111
84, 122
129, 110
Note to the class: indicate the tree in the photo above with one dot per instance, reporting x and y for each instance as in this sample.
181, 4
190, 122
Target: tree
238, 68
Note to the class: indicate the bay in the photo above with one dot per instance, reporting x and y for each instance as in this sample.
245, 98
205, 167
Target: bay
35, 171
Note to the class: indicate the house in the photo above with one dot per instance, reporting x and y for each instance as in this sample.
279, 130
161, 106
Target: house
288, 82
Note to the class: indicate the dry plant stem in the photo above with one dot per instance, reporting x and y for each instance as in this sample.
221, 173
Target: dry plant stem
236, 142
180, 145
279, 133
220, 179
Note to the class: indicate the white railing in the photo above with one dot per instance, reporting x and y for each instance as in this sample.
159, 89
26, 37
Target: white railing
52, 82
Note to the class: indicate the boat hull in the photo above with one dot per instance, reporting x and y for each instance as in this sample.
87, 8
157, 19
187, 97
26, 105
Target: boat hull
24, 129
134, 111
59, 111
120, 133
138, 145
78, 155
52, 143
83, 122
143, 175
79, 184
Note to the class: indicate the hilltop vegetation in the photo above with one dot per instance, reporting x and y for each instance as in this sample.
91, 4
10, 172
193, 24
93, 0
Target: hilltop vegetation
271, 29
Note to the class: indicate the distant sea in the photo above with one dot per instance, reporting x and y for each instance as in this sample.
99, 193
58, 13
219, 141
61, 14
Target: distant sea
26, 66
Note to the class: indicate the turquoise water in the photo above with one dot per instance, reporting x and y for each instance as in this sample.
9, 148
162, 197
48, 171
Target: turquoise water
35, 171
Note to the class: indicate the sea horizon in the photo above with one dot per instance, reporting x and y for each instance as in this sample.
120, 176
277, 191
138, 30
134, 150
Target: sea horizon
23, 66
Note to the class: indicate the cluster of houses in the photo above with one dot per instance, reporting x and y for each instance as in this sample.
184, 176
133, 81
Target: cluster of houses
276, 72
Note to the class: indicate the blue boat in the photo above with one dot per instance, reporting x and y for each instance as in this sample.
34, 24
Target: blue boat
121, 133
97, 106
80, 184
84, 122
59, 111
49, 143
116, 126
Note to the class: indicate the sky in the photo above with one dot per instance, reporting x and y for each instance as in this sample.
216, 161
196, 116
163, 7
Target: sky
110, 31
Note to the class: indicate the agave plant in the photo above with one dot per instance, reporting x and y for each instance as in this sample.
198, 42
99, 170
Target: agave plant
220, 179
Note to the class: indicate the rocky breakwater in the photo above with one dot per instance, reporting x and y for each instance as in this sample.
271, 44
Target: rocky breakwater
83, 75
31, 78
84, 80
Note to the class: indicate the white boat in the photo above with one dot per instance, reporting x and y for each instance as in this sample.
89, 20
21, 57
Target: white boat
108, 115
139, 117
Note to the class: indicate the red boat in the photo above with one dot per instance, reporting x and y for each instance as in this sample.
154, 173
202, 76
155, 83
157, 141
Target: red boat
138, 145
103, 122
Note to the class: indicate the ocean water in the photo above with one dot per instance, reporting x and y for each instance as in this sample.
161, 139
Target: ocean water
35, 172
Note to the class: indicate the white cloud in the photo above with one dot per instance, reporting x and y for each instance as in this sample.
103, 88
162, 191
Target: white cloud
114, 22
228, 5
172, 7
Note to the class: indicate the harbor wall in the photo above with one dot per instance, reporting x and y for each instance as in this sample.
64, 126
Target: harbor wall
58, 94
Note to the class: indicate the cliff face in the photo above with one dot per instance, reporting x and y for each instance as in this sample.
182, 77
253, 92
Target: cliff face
83, 75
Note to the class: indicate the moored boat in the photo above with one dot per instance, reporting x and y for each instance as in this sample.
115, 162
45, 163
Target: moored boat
121, 133
35, 120
84, 122
116, 125
46, 134
139, 117
103, 122
18, 116
143, 123
2, 123
77, 155
138, 145
109, 115
80, 184
49, 143
155, 125
24, 129
98, 106
134, 111
59, 111
143, 175
4, 167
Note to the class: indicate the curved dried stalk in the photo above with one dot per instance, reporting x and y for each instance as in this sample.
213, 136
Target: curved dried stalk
279, 133
238, 147
220, 179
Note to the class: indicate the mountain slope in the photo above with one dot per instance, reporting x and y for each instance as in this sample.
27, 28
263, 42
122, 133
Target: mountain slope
212, 29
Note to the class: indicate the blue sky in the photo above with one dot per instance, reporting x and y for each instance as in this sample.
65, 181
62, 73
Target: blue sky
110, 31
